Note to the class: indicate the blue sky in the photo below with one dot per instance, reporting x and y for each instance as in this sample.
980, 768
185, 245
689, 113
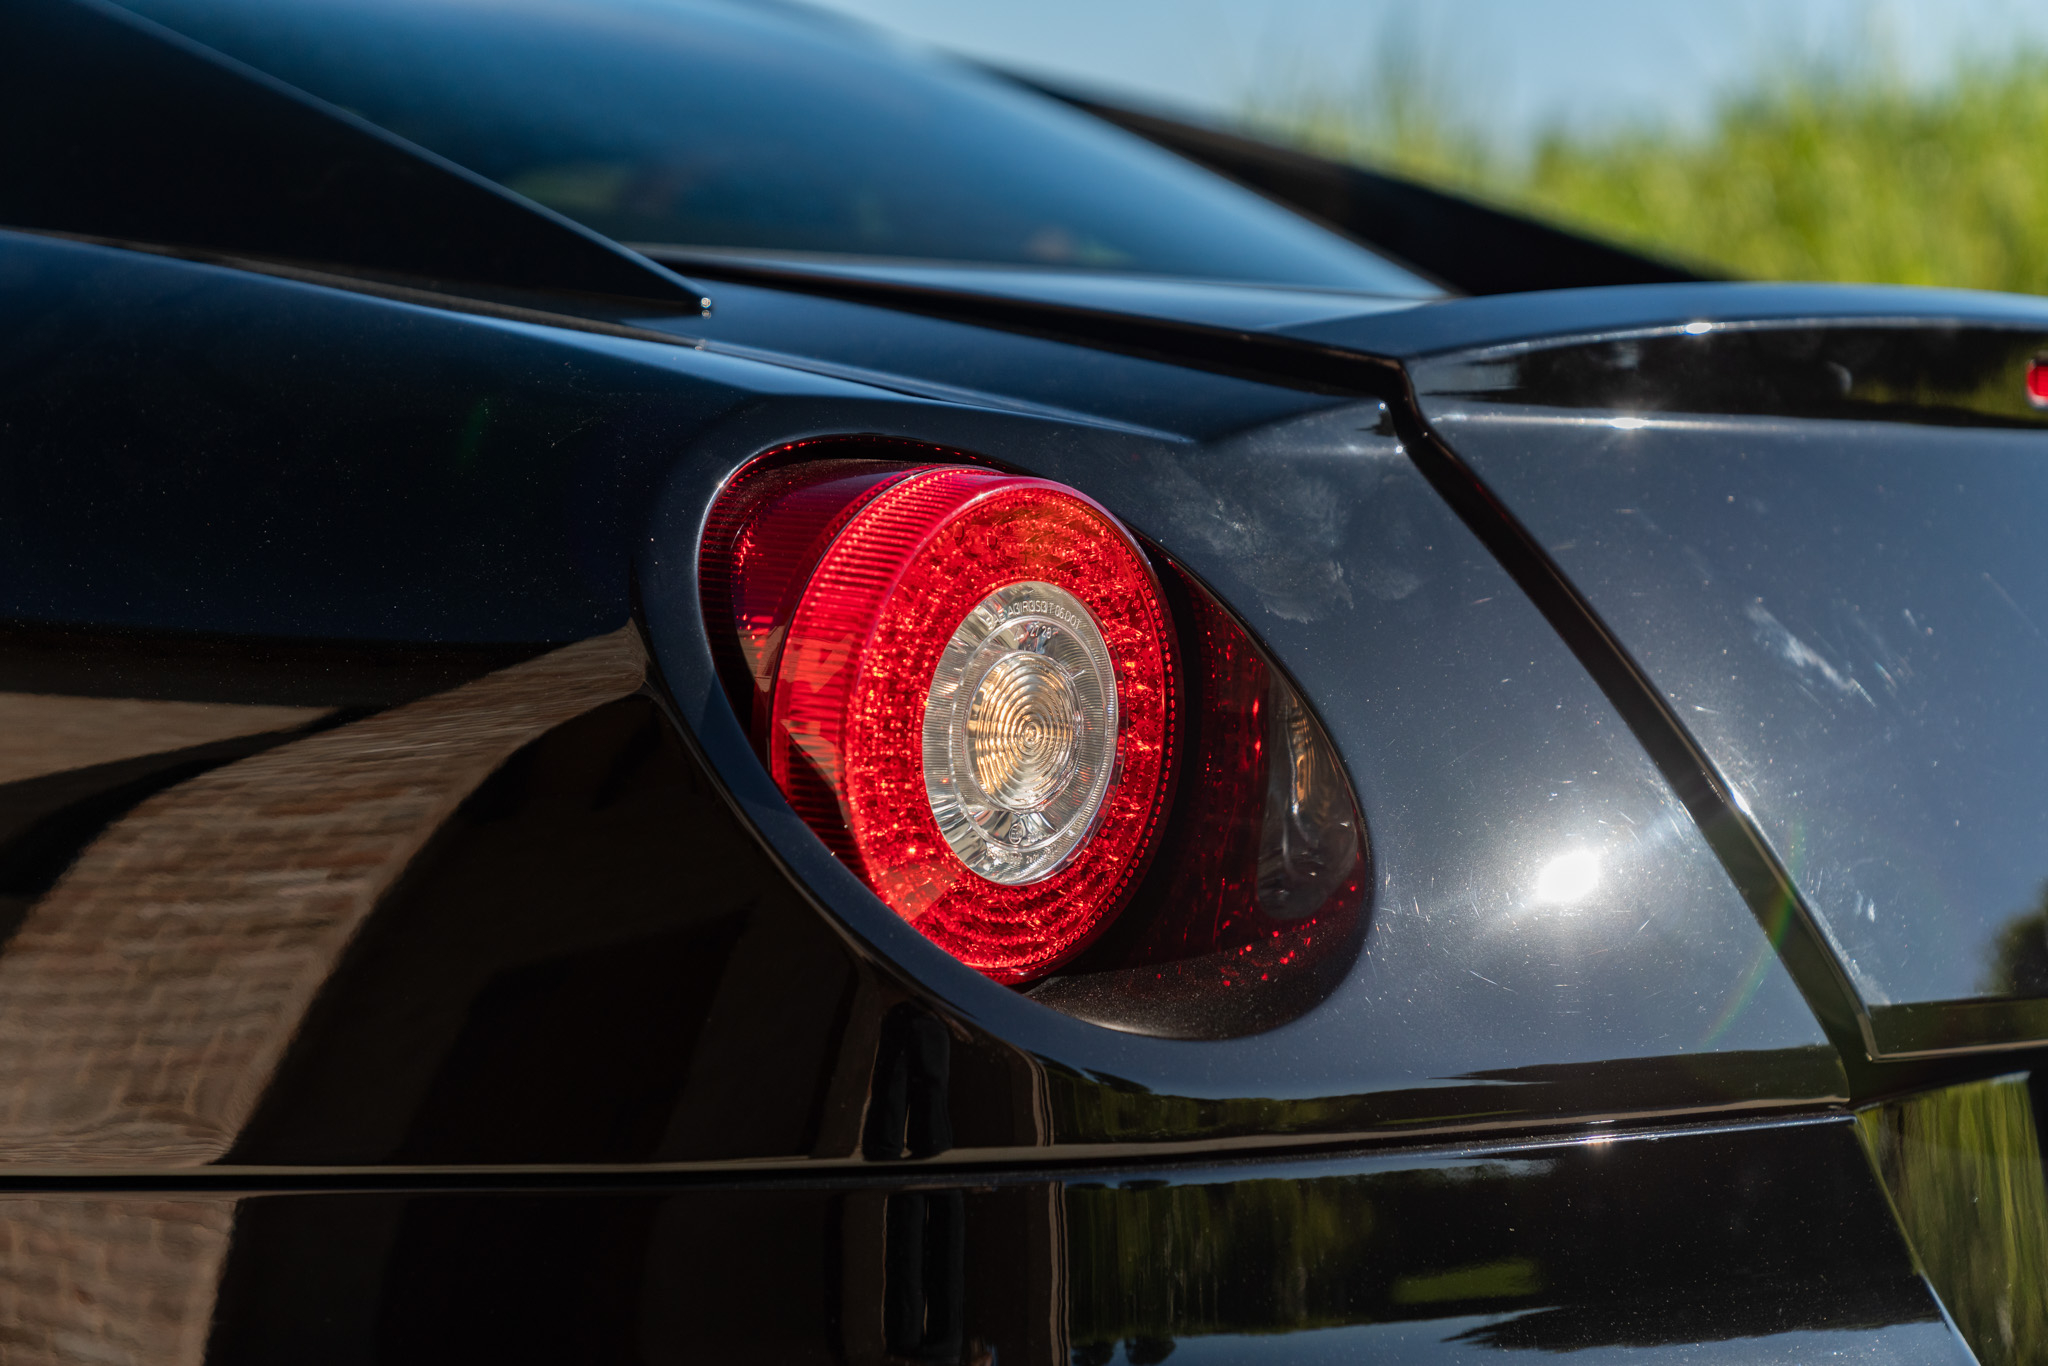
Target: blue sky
1513, 65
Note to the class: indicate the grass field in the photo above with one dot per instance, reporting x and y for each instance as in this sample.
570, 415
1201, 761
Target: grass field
1837, 173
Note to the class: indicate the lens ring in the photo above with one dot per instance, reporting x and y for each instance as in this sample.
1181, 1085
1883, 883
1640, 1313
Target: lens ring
1020, 733
856, 668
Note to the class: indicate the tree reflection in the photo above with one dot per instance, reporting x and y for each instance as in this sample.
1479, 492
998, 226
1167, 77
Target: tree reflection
2019, 955
1964, 1168
1589, 1246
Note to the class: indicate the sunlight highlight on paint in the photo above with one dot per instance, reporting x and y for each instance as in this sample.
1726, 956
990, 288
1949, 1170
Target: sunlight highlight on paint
1568, 878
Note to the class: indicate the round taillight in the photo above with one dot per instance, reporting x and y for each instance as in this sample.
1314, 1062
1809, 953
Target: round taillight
966, 685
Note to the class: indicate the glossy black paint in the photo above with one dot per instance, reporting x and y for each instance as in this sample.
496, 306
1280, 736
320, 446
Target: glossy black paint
190, 451
1963, 375
1569, 315
143, 136
1195, 332
242, 670
1310, 635
475, 1021
545, 981
47, 821
1810, 587
1769, 1244
352, 846
723, 125
1474, 1004
1110, 299
1934, 373
1963, 1167
1473, 248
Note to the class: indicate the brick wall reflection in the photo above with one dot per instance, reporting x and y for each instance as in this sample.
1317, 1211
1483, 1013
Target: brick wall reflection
42, 734
110, 1281
147, 997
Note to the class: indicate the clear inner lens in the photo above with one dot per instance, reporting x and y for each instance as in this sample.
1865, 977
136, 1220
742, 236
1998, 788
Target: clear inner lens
1021, 729
1020, 733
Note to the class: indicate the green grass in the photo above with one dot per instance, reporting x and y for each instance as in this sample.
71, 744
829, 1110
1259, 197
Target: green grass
1829, 173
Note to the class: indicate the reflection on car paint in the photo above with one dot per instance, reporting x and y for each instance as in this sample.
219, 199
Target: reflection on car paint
403, 957
1479, 749
1765, 1244
1836, 610
1964, 1168
1744, 1244
166, 146
788, 133
514, 923
184, 944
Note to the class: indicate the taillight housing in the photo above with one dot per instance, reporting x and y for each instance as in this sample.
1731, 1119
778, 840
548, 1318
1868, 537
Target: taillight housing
974, 687
965, 682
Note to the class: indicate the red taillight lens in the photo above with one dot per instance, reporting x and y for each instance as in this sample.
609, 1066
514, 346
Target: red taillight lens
2037, 382
1256, 906
974, 689
965, 683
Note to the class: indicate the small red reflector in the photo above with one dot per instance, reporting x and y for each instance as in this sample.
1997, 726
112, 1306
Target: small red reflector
2037, 383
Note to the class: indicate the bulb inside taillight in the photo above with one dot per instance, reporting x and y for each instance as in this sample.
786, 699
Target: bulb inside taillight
965, 682
1020, 733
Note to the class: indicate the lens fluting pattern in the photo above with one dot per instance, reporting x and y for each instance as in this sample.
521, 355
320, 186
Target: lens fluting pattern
1021, 729
1020, 733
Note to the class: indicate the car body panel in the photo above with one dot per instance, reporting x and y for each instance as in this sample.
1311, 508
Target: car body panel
1476, 1000
1769, 1244
406, 953
1827, 572
149, 137
1236, 306
787, 130
1963, 1167
1474, 325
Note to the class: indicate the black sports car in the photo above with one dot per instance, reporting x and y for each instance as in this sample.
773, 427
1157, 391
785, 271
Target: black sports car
677, 686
